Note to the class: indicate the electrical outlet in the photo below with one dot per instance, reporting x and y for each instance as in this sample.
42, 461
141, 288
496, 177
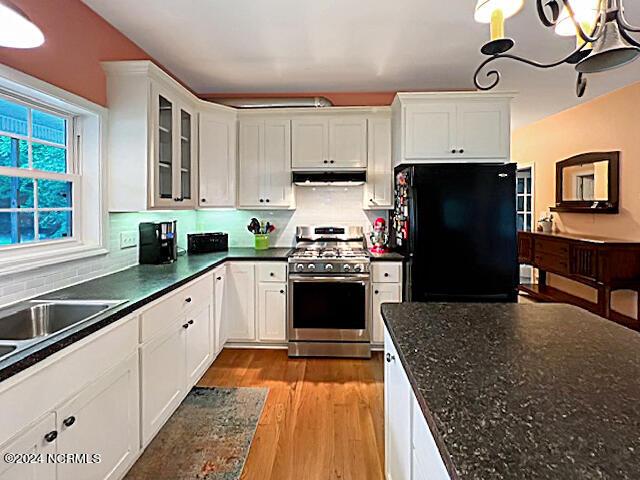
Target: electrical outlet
128, 239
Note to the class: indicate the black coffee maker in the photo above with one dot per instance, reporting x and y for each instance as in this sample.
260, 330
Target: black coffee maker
158, 242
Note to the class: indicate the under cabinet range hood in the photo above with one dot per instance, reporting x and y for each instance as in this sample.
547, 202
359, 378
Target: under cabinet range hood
337, 179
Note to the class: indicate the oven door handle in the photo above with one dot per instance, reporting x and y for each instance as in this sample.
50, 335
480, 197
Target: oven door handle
330, 278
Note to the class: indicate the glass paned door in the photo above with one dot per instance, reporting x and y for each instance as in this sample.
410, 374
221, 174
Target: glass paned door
185, 155
524, 208
165, 148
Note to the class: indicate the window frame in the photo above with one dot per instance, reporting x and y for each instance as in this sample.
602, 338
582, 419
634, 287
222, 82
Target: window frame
71, 174
86, 166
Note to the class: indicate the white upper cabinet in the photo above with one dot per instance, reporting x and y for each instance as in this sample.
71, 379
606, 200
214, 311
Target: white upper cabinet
378, 191
310, 142
348, 142
217, 156
334, 142
463, 127
152, 139
431, 130
265, 163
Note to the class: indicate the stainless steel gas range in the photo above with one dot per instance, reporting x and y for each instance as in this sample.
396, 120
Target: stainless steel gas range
329, 289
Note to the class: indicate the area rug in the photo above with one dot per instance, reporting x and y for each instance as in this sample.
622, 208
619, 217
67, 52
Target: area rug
207, 438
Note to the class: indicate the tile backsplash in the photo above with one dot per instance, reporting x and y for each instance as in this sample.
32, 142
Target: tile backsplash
315, 205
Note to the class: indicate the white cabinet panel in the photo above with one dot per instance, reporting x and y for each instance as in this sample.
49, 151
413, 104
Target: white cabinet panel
163, 378
382, 293
251, 152
378, 191
397, 414
430, 130
240, 286
427, 462
199, 344
220, 327
276, 164
386, 272
483, 129
310, 142
31, 442
348, 142
217, 159
102, 419
272, 311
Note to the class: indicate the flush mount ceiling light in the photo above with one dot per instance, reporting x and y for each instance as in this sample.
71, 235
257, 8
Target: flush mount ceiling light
604, 37
16, 29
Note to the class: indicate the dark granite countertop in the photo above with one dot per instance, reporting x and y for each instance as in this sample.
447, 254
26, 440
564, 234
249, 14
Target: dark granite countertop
386, 257
139, 285
523, 391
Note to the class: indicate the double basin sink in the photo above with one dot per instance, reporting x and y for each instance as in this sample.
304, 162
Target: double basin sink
30, 322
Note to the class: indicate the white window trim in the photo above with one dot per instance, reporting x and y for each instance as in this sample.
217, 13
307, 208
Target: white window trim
90, 147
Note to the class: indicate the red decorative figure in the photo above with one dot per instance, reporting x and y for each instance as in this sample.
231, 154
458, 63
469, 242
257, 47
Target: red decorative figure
379, 236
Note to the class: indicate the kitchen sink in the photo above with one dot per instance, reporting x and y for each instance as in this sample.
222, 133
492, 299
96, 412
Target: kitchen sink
40, 318
6, 349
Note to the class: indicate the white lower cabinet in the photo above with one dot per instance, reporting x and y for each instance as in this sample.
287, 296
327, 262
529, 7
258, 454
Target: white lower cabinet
31, 443
272, 312
199, 344
382, 293
163, 378
220, 309
410, 449
397, 415
103, 419
240, 301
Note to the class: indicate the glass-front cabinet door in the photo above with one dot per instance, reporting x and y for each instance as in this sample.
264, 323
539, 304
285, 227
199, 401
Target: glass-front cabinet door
174, 152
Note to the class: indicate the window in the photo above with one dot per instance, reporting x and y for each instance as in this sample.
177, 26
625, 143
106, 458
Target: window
37, 178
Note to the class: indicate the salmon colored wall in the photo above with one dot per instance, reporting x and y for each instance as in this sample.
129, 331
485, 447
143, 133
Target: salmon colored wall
607, 123
343, 99
76, 40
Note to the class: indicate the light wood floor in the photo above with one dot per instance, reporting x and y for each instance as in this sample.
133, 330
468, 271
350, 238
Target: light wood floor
323, 418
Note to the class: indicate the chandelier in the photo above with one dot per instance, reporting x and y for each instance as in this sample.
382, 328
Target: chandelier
604, 37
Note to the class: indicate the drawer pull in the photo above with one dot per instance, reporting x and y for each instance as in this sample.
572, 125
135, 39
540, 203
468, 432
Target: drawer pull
272, 274
67, 422
390, 358
188, 299
51, 436
386, 274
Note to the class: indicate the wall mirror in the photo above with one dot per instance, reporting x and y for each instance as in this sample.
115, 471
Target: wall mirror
588, 183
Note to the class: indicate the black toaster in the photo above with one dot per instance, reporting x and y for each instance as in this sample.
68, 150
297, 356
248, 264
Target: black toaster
207, 242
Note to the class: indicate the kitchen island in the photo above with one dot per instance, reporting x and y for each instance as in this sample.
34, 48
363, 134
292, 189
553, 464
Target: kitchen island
514, 391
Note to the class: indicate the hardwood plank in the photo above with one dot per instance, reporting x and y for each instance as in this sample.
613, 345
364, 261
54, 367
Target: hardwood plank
323, 418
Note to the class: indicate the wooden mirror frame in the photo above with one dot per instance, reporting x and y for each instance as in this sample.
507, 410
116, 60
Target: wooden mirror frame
596, 206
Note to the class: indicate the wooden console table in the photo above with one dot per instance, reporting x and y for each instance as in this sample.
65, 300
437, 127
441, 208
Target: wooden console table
601, 263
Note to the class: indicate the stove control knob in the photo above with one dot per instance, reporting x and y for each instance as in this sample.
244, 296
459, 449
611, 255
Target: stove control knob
311, 267
358, 268
300, 267
347, 267
328, 267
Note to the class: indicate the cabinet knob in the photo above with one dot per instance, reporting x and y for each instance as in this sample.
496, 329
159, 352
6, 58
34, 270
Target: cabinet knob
331, 161
376, 292
386, 274
271, 274
326, 161
453, 151
185, 325
462, 150
67, 422
203, 200
190, 322
267, 200
261, 200
281, 291
51, 436
188, 299
390, 358
219, 278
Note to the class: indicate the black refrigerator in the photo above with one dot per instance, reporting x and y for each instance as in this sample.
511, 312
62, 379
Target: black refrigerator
456, 226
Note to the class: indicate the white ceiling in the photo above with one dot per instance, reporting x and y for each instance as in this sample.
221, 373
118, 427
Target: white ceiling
350, 45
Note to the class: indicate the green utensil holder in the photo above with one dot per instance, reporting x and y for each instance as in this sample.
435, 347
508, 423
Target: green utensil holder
261, 241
